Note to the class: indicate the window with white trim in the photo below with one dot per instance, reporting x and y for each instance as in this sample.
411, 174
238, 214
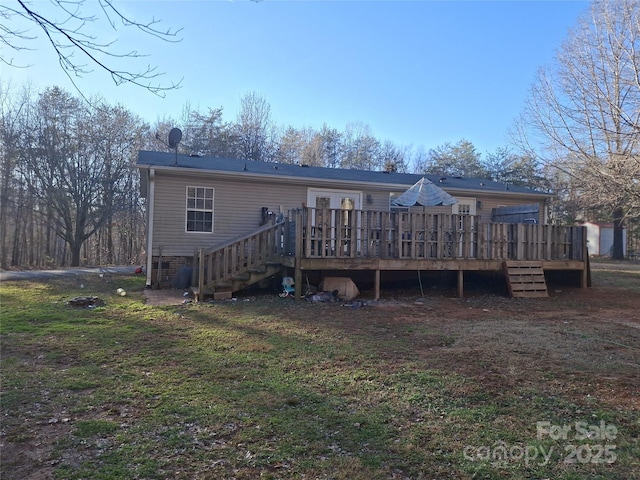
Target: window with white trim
465, 206
199, 209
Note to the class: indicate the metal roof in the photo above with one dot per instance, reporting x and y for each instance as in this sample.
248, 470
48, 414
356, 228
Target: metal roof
230, 165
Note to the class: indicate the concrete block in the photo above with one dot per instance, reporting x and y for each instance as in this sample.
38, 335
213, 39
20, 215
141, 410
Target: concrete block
223, 295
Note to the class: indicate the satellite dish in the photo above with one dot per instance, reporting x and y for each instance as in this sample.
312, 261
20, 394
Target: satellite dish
175, 135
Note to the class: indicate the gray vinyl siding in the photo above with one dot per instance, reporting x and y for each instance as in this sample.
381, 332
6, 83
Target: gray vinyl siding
169, 217
237, 210
238, 202
489, 201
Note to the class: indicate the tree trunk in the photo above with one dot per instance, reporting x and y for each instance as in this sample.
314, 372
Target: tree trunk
618, 235
109, 240
75, 254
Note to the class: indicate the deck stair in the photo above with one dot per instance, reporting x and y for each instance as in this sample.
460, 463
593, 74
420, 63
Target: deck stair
255, 275
525, 279
238, 264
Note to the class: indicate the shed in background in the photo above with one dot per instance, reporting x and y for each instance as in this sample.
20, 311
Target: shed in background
600, 238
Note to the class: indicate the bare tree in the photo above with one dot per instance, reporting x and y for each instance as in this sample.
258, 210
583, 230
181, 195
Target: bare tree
314, 151
586, 110
75, 31
114, 134
418, 158
360, 148
255, 130
332, 146
393, 157
291, 146
78, 162
12, 105
208, 134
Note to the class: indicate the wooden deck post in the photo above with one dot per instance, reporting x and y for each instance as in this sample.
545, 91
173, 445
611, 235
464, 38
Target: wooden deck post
300, 227
199, 295
520, 241
586, 272
399, 232
460, 283
376, 285
159, 269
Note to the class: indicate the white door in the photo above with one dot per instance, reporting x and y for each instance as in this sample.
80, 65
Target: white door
340, 224
465, 207
344, 199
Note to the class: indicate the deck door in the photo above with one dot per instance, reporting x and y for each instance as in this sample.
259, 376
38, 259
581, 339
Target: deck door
339, 225
464, 208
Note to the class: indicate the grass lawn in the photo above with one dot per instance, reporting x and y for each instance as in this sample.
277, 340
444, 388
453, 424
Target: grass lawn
484, 387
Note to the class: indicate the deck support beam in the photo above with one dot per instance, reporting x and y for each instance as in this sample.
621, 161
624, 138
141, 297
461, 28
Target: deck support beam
298, 283
460, 283
298, 258
376, 285
585, 281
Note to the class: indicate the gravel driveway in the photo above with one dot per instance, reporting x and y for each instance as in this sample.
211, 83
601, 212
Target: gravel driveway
64, 272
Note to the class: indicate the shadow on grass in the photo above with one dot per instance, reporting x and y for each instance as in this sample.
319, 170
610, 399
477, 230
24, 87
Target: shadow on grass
286, 389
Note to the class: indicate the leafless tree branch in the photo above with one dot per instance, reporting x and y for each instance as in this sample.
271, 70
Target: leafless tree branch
69, 36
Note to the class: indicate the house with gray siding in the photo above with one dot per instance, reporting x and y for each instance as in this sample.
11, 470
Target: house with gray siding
197, 205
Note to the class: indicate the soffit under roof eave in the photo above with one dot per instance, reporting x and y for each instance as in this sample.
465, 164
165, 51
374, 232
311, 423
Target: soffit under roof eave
314, 181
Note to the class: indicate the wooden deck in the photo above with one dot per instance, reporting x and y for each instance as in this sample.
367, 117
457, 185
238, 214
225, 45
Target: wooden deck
347, 240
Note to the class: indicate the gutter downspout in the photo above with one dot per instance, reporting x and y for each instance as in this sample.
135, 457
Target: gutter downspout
151, 189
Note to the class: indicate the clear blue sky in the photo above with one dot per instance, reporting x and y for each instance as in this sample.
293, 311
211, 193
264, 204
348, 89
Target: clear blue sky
417, 72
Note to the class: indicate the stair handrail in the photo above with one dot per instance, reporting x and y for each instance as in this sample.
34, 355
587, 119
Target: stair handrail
215, 263
244, 237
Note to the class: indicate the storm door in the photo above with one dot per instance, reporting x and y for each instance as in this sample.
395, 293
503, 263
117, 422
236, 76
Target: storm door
334, 221
465, 208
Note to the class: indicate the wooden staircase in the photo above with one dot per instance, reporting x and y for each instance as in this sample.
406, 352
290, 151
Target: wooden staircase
525, 279
238, 264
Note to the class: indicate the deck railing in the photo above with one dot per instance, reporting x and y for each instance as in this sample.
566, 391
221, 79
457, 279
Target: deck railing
223, 263
336, 233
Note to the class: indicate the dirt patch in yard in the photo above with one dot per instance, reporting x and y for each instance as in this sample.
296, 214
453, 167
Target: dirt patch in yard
590, 338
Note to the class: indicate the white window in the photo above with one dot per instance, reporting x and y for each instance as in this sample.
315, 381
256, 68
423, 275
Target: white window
465, 206
343, 199
199, 216
333, 199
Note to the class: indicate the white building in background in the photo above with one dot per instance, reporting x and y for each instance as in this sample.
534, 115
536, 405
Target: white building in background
600, 238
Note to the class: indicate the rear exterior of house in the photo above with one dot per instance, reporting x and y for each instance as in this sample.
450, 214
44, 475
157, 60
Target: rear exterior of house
197, 204
236, 223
